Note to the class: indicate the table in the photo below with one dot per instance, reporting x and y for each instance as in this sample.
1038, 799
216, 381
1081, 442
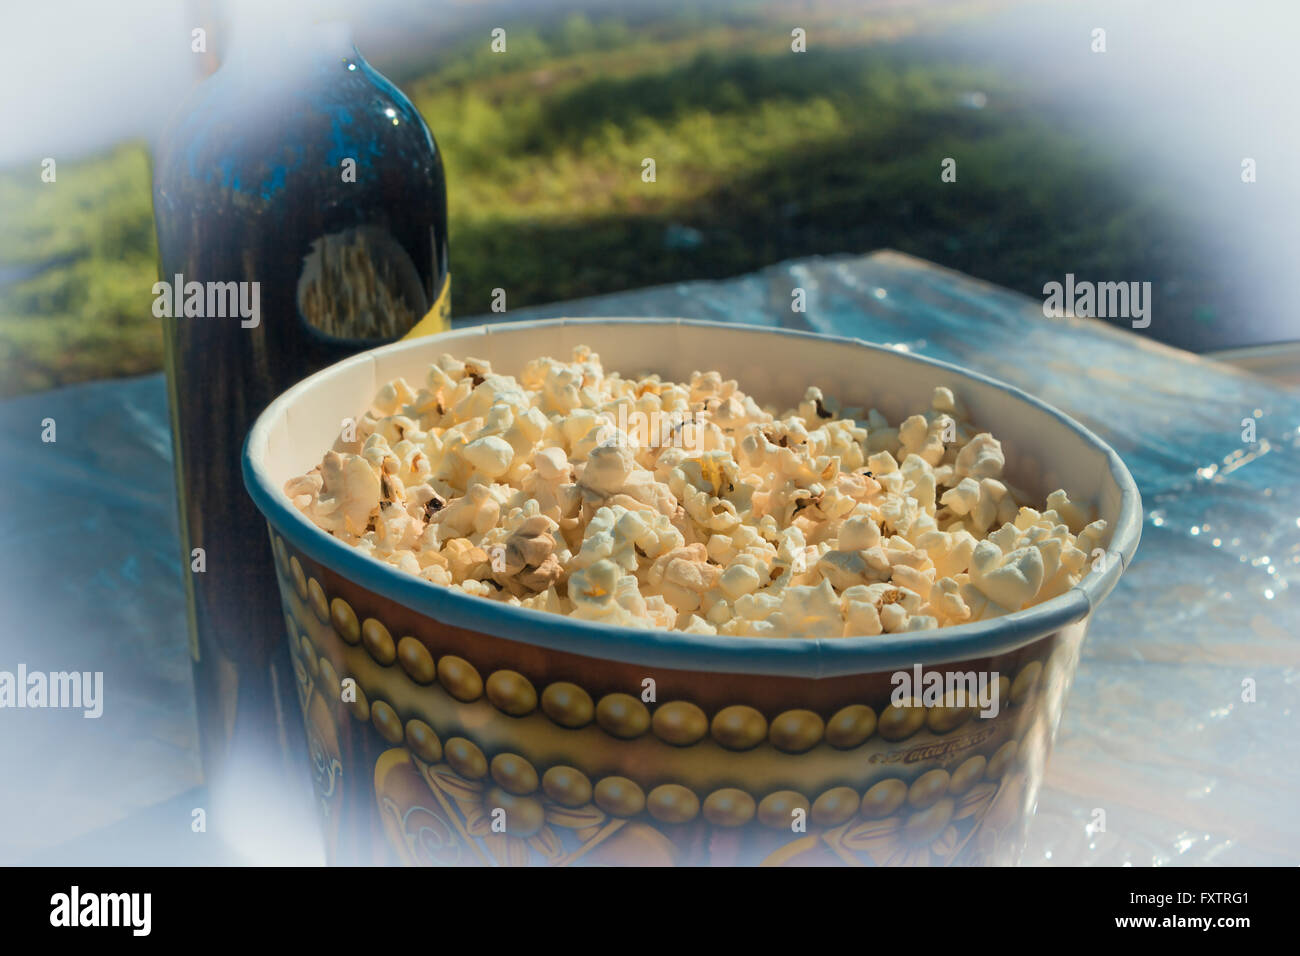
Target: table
1156, 733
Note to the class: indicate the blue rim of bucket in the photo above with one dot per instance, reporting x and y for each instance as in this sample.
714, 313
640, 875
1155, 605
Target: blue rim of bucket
789, 657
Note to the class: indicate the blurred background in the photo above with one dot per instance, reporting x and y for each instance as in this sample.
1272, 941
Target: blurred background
1115, 166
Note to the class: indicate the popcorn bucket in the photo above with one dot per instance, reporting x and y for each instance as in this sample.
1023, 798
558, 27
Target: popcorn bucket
448, 729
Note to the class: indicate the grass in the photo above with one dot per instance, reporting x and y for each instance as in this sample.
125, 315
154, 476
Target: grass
88, 315
764, 153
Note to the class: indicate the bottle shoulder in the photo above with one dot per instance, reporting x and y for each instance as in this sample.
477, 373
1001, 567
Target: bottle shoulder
256, 132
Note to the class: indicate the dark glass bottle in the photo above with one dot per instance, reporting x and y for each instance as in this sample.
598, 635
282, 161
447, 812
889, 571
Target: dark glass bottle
299, 172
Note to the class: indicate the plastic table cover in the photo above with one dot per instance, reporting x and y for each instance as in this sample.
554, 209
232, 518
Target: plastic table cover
1178, 744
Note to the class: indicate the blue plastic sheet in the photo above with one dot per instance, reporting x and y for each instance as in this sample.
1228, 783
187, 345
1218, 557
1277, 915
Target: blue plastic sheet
1178, 743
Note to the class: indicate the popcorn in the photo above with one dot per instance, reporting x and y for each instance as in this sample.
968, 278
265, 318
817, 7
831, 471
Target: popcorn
607, 469
739, 580
624, 536
946, 603
801, 612
1011, 580
490, 456
347, 496
923, 439
475, 511
595, 593
645, 503
861, 617
682, 576
981, 458
527, 562
949, 552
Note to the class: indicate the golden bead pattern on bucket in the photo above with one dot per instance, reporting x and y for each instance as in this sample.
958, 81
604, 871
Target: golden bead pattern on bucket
680, 723
378, 641
898, 723
460, 678
928, 802
917, 810
568, 705
511, 693
777, 809
416, 660
309, 656
619, 796
967, 775
386, 721
514, 774
567, 786
316, 597
739, 727
422, 740
883, 798
926, 789
729, 807
851, 726
329, 678
299, 579
796, 731
622, 716
465, 758
949, 716
345, 620
835, 806
673, 803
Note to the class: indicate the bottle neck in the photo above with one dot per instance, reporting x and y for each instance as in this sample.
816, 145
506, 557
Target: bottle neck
265, 42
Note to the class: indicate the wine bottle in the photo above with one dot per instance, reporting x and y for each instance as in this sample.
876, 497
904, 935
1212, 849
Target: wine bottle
301, 213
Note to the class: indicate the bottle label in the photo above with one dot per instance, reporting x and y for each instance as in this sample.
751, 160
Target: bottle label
438, 319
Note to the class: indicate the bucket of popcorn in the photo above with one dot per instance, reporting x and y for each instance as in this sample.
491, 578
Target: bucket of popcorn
659, 592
